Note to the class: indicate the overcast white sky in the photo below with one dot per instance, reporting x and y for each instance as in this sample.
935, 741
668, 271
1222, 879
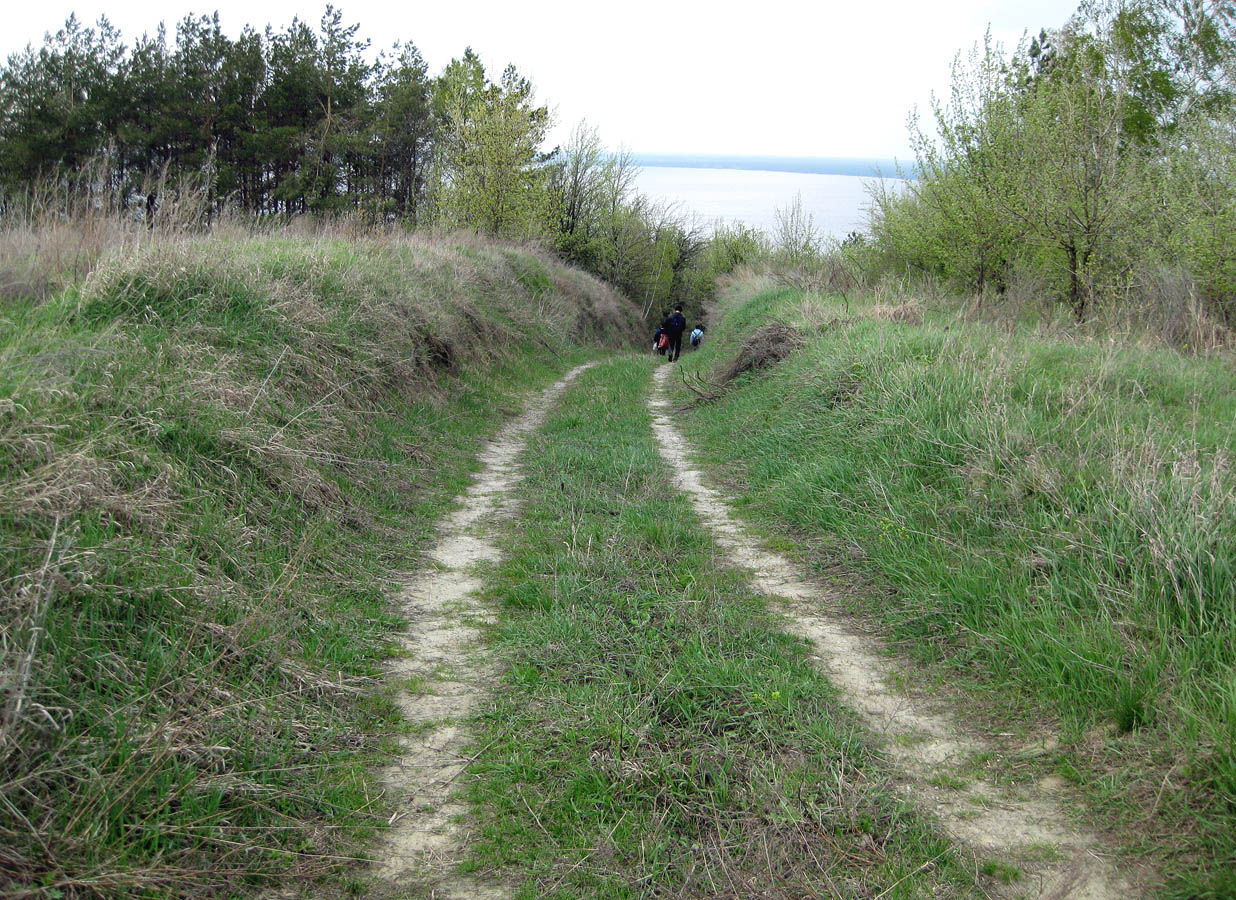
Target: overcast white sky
776, 77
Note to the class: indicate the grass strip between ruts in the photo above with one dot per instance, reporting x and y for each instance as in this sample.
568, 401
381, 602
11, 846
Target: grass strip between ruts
657, 733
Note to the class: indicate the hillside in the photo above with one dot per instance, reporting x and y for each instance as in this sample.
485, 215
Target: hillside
218, 456
290, 586
1042, 526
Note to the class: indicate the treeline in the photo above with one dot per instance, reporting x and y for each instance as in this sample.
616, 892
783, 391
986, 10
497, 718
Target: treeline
304, 120
1095, 165
275, 122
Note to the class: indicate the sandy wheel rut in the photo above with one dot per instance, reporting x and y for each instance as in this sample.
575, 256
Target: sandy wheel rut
1026, 826
444, 674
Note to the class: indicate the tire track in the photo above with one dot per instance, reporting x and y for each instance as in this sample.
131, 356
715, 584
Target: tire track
1026, 826
444, 674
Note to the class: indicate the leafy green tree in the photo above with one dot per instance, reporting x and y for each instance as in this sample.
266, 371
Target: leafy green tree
578, 179
491, 176
147, 134
797, 239
1045, 160
954, 220
1067, 169
621, 221
290, 109
459, 87
1199, 199
961, 175
239, 171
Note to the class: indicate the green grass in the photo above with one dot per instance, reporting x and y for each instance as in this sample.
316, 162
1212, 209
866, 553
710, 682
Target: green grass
1001, 872
658, 733
1050, 521
228, 452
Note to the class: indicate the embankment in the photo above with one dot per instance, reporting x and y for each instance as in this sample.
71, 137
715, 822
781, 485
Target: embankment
1045, 529
216, 457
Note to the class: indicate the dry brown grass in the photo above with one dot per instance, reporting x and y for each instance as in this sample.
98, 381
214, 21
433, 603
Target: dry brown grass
1154, 308
758, 278
907, 312
56, 233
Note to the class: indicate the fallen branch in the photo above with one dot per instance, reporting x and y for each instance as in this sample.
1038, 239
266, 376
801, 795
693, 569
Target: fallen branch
706, 390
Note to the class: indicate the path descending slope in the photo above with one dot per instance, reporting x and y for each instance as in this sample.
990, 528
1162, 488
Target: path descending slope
1024, 826
444, 675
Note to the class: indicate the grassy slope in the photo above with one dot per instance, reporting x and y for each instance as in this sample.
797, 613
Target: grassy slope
657, 733
215, 457
1052, 523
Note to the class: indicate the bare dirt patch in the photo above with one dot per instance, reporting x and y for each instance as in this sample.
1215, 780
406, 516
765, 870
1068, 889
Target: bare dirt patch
444, 674
1025, 828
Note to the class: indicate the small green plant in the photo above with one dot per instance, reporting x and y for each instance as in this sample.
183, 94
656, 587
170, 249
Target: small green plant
1133, 709
1001, 872
948, 782
532, 275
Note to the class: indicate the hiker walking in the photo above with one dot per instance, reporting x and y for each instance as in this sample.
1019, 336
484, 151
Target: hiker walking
674, 325
697, 336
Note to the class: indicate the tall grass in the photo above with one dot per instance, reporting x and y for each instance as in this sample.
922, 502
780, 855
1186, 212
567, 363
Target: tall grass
55, 231
1049, 520
216, 456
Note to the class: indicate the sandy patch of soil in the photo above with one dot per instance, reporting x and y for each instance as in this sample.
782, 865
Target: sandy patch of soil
1025, 826
444, 673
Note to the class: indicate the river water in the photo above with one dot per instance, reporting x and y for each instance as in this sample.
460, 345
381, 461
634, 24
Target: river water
838, 204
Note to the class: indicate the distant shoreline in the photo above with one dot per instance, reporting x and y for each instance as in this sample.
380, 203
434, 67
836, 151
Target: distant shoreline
868, 167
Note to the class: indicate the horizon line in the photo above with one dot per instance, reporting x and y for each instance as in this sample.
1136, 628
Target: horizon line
870, 166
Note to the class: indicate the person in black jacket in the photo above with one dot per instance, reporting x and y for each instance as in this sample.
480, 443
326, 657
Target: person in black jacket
674, 325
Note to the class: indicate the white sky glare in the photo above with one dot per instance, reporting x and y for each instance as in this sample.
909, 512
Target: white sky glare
776, 78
